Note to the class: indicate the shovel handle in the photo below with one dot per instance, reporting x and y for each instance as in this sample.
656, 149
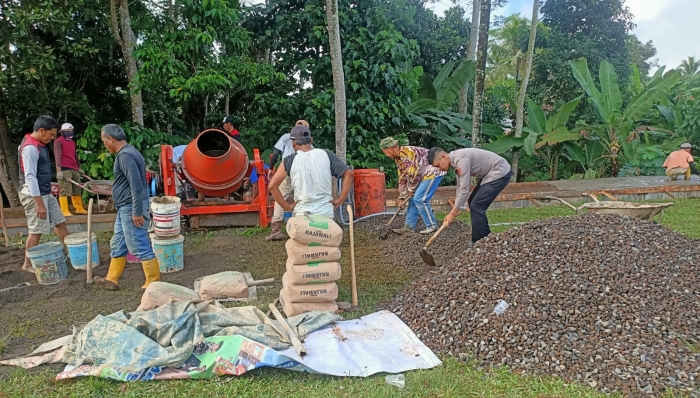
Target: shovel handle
394, 217
261, 282
432, 238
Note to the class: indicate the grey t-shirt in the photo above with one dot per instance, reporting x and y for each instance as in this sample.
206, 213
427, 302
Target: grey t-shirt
338, 168
474, 162
130, 187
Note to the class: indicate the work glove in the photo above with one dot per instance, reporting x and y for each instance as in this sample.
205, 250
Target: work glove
59, 175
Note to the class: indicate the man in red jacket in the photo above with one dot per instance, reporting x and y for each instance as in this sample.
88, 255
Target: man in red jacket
68, 167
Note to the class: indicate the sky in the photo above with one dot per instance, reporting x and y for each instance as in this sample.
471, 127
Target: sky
670, 24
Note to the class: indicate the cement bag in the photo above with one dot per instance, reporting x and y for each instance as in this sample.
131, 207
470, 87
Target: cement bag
292, 309
313, 273
224, 285
299, 253
314, 229
317, 293
159, 293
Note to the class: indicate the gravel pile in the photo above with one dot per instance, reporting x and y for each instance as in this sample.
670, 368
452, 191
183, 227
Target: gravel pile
605, 300
403, 251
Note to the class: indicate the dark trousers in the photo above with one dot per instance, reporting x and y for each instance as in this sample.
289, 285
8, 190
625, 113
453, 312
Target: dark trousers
479, 201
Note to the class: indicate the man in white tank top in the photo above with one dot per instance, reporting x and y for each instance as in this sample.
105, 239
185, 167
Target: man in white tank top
311, 171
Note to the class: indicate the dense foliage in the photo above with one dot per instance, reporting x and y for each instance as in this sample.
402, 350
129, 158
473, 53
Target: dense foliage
267, 65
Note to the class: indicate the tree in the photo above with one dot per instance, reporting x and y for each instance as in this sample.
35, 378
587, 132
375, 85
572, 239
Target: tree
595, 29
617, 126
124, 36
471, 52
642, 55
508, 50
519, 116
484, 21
338, 78
690, 66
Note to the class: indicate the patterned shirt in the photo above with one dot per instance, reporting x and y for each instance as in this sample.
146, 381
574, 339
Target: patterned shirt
413, 168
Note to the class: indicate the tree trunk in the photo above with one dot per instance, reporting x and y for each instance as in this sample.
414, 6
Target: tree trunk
228, 99
484, 20
338, 77
9, 176
471, 53
520, 112
124, 36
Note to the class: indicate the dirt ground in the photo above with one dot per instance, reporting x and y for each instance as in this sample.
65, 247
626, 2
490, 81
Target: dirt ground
35, 314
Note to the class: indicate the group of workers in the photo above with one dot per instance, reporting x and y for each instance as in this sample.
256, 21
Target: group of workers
130, 195
300, 181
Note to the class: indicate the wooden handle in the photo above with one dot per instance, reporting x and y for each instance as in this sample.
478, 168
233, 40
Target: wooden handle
352, 258
290, 333
261, 282
4, 228
88, 268
394, 216
562, 201
432, 238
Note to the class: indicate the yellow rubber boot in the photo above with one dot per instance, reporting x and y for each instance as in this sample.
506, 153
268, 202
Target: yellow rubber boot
151, 269
78, 204
687, 173
116, 269
63, 200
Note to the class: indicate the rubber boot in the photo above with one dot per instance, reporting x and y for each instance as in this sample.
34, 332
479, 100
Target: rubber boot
78, 204
276, 233
151, 269
63, 200
116, 269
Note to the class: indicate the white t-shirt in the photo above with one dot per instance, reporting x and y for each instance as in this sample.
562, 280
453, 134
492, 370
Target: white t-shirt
284, 145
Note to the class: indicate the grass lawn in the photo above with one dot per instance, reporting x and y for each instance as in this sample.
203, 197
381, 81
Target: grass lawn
453, 379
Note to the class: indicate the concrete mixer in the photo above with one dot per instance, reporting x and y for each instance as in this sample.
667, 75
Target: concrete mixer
216, 165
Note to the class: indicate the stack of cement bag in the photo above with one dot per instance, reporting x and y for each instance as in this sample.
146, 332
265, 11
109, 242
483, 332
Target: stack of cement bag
312, 265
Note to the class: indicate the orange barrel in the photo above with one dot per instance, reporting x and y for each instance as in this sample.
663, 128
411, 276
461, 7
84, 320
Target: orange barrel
214, 163
370, 192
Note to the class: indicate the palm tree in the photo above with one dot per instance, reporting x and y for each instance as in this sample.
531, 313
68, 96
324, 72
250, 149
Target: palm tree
482, 54
690, 66
338, 78
520, 112
505, 51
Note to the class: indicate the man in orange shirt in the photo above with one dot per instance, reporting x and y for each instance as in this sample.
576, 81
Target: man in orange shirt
680, 162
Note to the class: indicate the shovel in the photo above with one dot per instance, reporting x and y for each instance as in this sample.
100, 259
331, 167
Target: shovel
425, 255
400, 207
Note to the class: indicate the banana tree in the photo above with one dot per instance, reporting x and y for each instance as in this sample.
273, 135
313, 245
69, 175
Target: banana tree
617, 125
431, 110
588, 156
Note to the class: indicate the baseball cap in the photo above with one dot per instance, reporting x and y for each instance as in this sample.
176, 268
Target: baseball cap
300, 134
66, 126
227, 119
686, 145
388, 142
302, 122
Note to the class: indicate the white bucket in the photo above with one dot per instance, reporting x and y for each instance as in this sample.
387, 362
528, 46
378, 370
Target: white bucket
77, 250
166, 215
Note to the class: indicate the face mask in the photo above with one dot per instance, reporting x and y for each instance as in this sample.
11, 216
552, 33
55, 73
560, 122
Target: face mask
67, 135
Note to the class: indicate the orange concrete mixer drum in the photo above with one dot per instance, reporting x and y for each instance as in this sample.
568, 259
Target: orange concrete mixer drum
214, 163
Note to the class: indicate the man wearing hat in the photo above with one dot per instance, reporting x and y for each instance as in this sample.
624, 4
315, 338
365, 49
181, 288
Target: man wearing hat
418, 182
284, 147
228, 126
68, 167
310, 171
680, 162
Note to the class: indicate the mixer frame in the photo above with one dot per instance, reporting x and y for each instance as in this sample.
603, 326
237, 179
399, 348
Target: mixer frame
261, 204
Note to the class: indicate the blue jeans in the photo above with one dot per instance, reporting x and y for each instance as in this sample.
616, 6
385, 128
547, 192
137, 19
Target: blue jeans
128, 238
420, 204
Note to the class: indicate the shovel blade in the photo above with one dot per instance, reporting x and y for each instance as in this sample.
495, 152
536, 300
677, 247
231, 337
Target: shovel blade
427, 257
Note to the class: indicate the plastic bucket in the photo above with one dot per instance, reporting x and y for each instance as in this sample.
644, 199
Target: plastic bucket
49, 263
169, 252
166, 215
77, 250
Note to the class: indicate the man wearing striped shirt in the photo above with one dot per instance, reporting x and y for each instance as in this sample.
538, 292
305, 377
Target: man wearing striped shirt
418, 182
